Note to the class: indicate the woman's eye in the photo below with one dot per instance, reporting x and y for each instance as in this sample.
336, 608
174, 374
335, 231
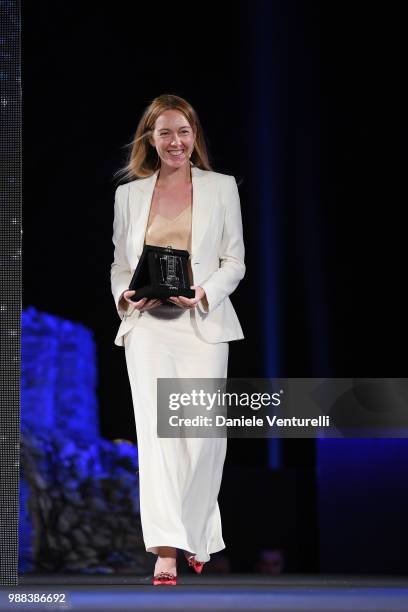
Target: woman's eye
182, 131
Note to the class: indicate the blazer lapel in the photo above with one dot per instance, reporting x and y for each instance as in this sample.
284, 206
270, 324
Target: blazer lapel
140, 197
203, 201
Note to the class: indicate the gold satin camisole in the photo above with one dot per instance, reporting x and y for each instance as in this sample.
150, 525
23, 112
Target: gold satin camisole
176, 233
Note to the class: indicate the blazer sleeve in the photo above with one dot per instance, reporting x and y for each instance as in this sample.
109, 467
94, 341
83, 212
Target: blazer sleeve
224, 281
121, 273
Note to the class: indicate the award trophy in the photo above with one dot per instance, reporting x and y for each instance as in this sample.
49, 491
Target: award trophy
161, 273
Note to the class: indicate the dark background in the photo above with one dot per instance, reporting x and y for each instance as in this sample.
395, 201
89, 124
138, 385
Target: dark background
303, 103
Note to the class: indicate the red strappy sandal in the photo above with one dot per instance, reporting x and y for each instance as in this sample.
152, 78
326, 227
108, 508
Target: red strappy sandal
196, 565
164, 578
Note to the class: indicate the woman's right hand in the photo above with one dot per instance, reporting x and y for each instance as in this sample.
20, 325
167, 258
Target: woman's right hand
142, 305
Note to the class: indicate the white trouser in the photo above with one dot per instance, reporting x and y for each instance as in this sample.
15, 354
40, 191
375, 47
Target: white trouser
179, 478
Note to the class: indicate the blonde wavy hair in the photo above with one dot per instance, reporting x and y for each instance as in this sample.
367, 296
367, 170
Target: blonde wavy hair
143, 160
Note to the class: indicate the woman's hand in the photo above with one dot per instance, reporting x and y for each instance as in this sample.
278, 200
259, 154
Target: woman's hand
142, 305
184, 302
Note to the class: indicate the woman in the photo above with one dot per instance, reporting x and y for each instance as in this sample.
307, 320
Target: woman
175, 199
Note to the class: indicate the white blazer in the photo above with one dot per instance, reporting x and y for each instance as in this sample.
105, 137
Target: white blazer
217, 249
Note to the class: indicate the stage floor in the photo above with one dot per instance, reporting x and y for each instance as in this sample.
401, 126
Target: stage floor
215, 592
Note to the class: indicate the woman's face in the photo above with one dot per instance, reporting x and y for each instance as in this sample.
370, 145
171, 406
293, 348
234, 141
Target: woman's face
173, 138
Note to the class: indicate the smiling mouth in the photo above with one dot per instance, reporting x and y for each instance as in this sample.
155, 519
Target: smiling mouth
176, 152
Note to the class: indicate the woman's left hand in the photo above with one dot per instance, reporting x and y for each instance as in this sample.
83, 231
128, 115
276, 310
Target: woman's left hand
184, 302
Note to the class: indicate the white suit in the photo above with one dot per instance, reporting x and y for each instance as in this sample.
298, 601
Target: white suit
180, 477
217, 256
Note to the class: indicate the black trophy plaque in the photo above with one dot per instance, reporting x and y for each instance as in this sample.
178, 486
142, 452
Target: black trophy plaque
161, 273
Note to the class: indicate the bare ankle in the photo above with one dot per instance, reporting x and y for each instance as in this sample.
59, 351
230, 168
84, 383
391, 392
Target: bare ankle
167, 552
